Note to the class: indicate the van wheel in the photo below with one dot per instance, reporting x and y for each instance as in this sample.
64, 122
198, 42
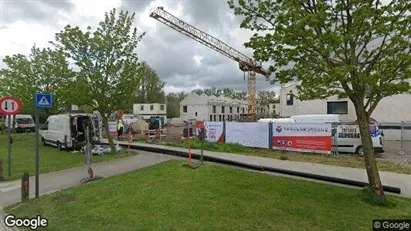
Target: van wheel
59, 146
360, 151
43, 141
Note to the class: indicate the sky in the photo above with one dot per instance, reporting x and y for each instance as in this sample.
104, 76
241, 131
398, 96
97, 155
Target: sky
181, 62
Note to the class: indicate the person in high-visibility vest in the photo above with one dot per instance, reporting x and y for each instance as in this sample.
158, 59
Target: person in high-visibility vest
120, 127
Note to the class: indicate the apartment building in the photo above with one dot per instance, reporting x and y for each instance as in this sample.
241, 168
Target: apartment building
212, 108
146, 110
391, 109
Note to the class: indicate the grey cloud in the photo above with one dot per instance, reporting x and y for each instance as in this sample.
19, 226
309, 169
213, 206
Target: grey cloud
44, 11
171, 53
135, 5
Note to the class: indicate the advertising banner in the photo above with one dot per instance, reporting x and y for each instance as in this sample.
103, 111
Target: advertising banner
214, 131
302, 137
249, 134
113, 128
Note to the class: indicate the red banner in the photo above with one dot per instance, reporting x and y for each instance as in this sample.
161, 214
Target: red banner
303, 143
200, 124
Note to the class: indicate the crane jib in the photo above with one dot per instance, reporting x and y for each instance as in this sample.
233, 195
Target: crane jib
246, 64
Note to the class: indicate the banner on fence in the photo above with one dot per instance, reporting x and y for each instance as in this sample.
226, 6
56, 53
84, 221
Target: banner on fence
112, 126
302, 137
249, 134
214, 131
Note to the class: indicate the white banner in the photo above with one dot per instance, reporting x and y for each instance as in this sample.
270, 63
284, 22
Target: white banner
214, 131
250, 134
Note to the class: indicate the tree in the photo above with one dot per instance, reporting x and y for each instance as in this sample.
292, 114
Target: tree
228, 92
213, 91
173, 103
198, 91
109, 68
267, 97
240, 95
356, 49
44, 70
151, 87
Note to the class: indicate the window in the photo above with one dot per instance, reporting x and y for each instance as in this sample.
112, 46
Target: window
219, 117
151, 107
231, 109
214, 109
215, 118
223, 117
211, 117
222, 109
196, 114
141, 107
185, 109
340, 107
243, 110
289, 99
238, 109
162, 107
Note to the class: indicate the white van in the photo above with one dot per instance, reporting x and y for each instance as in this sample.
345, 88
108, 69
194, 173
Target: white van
23, 123
68, 131
348, 139
348, 135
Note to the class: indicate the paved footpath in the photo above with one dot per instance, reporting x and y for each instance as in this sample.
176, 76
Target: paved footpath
402, 181
10, 192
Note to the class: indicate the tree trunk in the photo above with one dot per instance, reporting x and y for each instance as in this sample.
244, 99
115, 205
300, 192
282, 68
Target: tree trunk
107, 130
369, 156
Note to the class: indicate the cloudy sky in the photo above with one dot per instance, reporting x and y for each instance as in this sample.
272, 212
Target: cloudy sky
181, 62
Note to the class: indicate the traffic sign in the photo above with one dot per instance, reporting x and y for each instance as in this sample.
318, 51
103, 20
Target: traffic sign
10, 106
44, 100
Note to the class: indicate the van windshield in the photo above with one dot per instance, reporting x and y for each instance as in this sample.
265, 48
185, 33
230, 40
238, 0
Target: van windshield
24, 121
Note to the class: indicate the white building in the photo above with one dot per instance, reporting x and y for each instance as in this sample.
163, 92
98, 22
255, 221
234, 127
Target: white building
146, 110
391, 109
212, 108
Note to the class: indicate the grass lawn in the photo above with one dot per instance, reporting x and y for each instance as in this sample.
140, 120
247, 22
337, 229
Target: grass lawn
169, 196
23, 156
354, 161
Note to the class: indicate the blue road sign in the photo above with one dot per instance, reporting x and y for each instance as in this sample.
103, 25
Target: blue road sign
44, 100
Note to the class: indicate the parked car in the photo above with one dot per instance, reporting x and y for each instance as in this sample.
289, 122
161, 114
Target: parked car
23, 123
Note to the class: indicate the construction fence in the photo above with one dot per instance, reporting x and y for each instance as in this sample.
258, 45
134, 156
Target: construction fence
397, 137
300, 137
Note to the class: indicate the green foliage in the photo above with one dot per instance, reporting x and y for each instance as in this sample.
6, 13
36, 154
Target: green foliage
44, 70
109, 69
267, 97
173, 103
357, 49
151, 87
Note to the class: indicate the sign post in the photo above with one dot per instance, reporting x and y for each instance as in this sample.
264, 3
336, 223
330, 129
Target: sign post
42, 100
9, 106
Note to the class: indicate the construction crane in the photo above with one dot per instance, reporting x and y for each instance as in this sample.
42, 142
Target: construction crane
246, 64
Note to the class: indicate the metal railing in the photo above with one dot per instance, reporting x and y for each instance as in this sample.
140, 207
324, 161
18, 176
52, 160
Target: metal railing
397, 137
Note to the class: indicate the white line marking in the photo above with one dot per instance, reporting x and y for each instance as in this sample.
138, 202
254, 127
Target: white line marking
7, 189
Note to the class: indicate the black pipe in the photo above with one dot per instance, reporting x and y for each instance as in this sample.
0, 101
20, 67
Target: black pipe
260, 168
